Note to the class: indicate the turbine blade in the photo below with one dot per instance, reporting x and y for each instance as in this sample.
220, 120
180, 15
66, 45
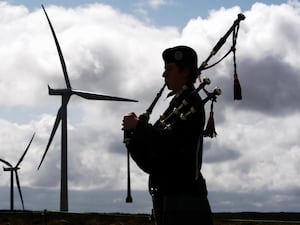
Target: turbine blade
21, 159
56, 123
61, 57
95, 96
19, 188
5, 162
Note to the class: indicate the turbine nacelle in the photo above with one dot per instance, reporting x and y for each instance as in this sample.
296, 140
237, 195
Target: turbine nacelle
62, 91
11, 168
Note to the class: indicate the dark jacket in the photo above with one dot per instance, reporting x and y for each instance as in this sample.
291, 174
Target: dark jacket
172, 156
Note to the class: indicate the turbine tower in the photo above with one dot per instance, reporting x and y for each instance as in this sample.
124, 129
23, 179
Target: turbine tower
14, 169
66, 94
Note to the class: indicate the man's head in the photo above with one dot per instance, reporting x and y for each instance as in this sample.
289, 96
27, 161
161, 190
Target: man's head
180, 66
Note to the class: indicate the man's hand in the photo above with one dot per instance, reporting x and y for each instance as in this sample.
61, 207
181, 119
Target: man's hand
130, 121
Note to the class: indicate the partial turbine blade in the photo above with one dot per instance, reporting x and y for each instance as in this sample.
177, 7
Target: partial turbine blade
95, 96
61, 57
5, 162
56, 123
21, 159
19, 188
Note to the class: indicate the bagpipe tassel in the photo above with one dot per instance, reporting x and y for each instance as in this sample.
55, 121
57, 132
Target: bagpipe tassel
210, 130
237, 90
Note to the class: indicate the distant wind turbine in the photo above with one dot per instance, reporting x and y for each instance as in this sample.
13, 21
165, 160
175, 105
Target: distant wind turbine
66, 94
14, 169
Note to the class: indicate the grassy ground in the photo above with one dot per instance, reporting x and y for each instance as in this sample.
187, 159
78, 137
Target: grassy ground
60, 218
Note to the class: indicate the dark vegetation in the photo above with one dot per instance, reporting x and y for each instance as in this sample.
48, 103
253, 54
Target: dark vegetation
62, 218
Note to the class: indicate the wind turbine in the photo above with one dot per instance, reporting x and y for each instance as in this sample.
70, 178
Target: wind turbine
14, 169
66, 94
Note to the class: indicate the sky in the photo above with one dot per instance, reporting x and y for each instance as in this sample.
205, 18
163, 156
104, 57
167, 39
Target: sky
114, 48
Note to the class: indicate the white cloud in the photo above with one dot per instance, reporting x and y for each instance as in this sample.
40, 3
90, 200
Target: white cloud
157, 3
115, 54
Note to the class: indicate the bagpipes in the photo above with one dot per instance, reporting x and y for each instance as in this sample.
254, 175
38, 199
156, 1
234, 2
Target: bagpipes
186, 107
